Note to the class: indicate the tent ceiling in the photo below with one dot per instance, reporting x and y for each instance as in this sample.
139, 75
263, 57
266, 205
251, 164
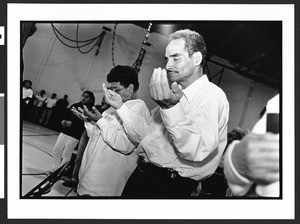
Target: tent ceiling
251, 48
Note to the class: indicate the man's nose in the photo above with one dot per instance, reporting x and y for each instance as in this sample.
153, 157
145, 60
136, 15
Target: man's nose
169, 64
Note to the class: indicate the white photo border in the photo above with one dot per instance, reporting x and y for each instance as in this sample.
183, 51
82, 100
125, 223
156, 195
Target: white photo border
149, 209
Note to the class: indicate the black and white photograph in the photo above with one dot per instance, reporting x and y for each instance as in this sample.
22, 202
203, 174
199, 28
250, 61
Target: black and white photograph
65, 65
131, 112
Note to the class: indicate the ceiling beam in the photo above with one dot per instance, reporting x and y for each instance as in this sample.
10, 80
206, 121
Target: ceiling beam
258, 56
246, 74
228, 37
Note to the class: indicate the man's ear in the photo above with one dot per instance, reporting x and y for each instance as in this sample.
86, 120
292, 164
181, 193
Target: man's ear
131, 88
197, 58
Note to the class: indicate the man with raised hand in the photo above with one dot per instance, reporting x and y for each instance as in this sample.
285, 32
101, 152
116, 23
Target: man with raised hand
183, 141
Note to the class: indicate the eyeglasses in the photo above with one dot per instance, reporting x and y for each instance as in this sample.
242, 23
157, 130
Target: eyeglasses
116, 90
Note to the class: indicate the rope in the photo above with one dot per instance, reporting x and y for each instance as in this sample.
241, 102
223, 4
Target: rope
87, 42
55, 31
77, 45
113, 45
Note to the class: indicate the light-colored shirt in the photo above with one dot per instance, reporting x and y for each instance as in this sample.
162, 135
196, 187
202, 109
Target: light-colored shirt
104, 170
190, 137
27, 93
239, 184
39, 100
50, 102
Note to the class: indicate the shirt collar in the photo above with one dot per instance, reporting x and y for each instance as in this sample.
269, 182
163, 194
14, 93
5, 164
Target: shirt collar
192, 89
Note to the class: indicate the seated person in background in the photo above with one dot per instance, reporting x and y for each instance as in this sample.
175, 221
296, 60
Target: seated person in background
251, 166
73, 180
58, 112
72, 129
104, 170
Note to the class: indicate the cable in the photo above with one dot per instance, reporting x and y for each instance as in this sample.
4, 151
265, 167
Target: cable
67, 45
78, 47
98, 39
88, 40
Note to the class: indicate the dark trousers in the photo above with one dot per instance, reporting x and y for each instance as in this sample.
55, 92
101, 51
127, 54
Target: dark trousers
25, 110
150, 181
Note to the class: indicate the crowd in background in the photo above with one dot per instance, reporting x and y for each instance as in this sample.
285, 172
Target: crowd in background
42, 109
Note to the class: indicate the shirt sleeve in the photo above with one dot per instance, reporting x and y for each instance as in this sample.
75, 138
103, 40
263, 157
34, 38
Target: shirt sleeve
238, 184
197, 136
77, 124
113, 132
89, 128
135, 124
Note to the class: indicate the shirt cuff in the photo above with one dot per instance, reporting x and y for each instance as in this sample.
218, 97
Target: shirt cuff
172, 116
123, 112
89, 128
236, 173
88, 125
237, 183
101, 123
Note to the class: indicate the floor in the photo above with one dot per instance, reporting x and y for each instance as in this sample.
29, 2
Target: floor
37, 145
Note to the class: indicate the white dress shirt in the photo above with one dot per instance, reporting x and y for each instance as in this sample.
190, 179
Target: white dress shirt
190, 137
27, 93
241, 185
39, 100
50, 102
104, 170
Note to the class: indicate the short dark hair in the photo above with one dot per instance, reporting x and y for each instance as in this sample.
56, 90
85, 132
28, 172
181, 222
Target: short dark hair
236, 134
193, 41
25, 81
124, 74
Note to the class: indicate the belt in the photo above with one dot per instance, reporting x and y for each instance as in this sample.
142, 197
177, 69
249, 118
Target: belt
149, 167
168, 177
